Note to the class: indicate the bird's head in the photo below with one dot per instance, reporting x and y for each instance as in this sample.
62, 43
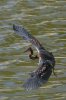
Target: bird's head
29, 51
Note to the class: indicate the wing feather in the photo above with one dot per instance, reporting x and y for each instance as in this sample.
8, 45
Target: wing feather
36, 81
27, 36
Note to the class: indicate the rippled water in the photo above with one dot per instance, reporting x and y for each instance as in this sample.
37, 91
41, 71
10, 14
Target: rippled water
46, 20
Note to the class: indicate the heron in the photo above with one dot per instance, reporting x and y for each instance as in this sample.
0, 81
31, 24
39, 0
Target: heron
46, 60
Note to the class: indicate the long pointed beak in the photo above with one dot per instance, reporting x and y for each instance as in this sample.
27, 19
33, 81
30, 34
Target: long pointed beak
29, 50
26, 50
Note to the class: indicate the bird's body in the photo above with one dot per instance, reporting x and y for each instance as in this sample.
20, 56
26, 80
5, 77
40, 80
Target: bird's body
46, 60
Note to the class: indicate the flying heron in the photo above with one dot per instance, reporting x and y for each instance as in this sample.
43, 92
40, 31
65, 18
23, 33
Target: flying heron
46, 60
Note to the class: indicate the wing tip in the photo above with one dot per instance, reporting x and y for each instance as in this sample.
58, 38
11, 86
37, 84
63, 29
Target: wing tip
14, 27
28, 87
32, 84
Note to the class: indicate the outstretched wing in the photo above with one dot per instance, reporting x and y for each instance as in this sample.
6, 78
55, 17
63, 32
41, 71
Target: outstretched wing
39, 77
42, 74
33, 83
27, 36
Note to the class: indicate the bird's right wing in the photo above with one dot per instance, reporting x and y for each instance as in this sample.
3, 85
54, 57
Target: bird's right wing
27, 36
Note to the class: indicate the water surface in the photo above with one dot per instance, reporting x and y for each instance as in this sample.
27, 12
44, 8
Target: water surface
46, 20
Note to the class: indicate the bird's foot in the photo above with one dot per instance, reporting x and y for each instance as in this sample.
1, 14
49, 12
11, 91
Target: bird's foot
54, 73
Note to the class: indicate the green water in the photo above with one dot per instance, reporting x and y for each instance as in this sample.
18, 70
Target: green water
46, 20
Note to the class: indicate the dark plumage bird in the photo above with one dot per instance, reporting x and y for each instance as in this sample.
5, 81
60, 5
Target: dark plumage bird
46, 60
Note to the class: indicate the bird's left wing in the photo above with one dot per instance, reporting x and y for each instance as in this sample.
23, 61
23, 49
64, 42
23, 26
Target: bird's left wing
38, 78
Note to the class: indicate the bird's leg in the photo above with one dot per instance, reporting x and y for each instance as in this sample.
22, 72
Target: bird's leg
30, 52
54, 73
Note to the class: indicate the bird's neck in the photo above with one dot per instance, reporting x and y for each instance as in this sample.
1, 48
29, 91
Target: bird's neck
33, 57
